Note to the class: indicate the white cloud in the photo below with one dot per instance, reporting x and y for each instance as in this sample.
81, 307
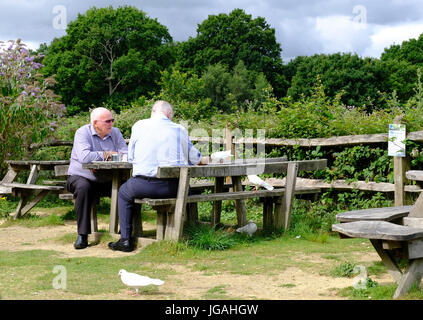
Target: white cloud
339, 33
385, 36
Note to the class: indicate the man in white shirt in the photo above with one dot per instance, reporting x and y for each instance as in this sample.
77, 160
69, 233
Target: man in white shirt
154, 142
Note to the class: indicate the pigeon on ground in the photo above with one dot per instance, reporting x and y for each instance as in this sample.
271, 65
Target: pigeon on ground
249, 228
258, 182
220, 156
136, 281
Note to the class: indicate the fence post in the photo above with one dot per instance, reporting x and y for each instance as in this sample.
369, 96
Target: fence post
401, 165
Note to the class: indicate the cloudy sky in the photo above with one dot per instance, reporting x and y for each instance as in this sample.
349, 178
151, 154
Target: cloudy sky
303, 27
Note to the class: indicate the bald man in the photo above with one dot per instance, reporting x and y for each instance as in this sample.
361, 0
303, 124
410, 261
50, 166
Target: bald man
96, 141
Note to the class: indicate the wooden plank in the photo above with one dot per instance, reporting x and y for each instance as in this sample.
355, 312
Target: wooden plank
43, 165
161, 222
66, 196
40, 195
217, 205
416, 175
378, 230
387, 259
23, 186
239, 195
415, 249
417, 210
24, 198
241, 211
331, 141
61, 170
412, 275
54, 182
401, 165
107, 165
324, 142
413, 222
219, 170
114, 222
390, 245
289, 193
10, 174
381, 214
176, 227
268, 213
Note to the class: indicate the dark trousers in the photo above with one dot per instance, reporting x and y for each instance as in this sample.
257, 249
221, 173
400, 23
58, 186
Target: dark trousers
85, 192
138, 188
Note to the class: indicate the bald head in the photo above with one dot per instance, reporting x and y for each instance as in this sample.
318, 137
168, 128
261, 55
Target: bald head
99, 114
162, 108
102, 121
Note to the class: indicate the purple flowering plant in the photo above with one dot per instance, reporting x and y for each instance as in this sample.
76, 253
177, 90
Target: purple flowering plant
29, 109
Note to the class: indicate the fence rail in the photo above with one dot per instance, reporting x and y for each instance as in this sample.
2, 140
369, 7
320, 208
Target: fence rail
400, 187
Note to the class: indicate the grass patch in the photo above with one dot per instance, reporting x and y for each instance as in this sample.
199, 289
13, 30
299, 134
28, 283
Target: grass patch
204, 237
35, 221
217, 292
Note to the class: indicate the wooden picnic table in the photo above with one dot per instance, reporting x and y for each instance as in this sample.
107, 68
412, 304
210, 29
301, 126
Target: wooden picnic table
395, 233
29, 189
234, 169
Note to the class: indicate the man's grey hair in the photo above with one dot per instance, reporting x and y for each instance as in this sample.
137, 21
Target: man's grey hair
162, 107
95, 113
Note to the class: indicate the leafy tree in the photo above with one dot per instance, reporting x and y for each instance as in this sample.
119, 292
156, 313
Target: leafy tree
108, 55
231, 91
230, 38
29, 109
401, 63
359, 79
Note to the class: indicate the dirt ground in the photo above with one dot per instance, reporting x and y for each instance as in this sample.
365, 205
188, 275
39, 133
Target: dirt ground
291, 283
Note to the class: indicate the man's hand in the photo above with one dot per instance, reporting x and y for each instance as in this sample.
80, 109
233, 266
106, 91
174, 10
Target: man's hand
204, 161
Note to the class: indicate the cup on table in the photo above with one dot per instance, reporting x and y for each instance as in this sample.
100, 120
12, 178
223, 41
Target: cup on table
115, 157
123, 157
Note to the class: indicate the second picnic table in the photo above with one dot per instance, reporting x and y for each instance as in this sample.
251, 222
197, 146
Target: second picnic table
26, 190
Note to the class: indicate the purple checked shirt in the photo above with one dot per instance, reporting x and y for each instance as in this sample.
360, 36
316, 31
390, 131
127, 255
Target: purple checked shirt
89, 147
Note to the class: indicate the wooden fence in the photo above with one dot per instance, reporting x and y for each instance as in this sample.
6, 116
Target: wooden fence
400, 187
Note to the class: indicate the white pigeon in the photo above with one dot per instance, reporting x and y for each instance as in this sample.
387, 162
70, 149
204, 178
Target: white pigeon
136, 281
249, 228
220, 156
258, 182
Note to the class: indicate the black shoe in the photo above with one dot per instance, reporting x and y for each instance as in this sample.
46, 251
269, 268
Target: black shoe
121, 245
81, 242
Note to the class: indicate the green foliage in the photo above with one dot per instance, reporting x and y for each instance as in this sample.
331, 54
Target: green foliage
186, 93
108, 56
345, 269
358, 79
207, 238
363, 163
230, 38
29, 110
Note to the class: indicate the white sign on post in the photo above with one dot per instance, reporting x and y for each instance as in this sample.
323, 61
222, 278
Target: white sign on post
396, 137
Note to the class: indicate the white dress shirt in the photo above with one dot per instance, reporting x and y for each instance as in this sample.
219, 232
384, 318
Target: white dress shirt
157, 141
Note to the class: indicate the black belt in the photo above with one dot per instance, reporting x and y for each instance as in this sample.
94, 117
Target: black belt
155, 178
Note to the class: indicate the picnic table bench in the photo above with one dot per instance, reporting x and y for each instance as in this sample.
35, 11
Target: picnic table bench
395, 233
30, 189
277, 205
